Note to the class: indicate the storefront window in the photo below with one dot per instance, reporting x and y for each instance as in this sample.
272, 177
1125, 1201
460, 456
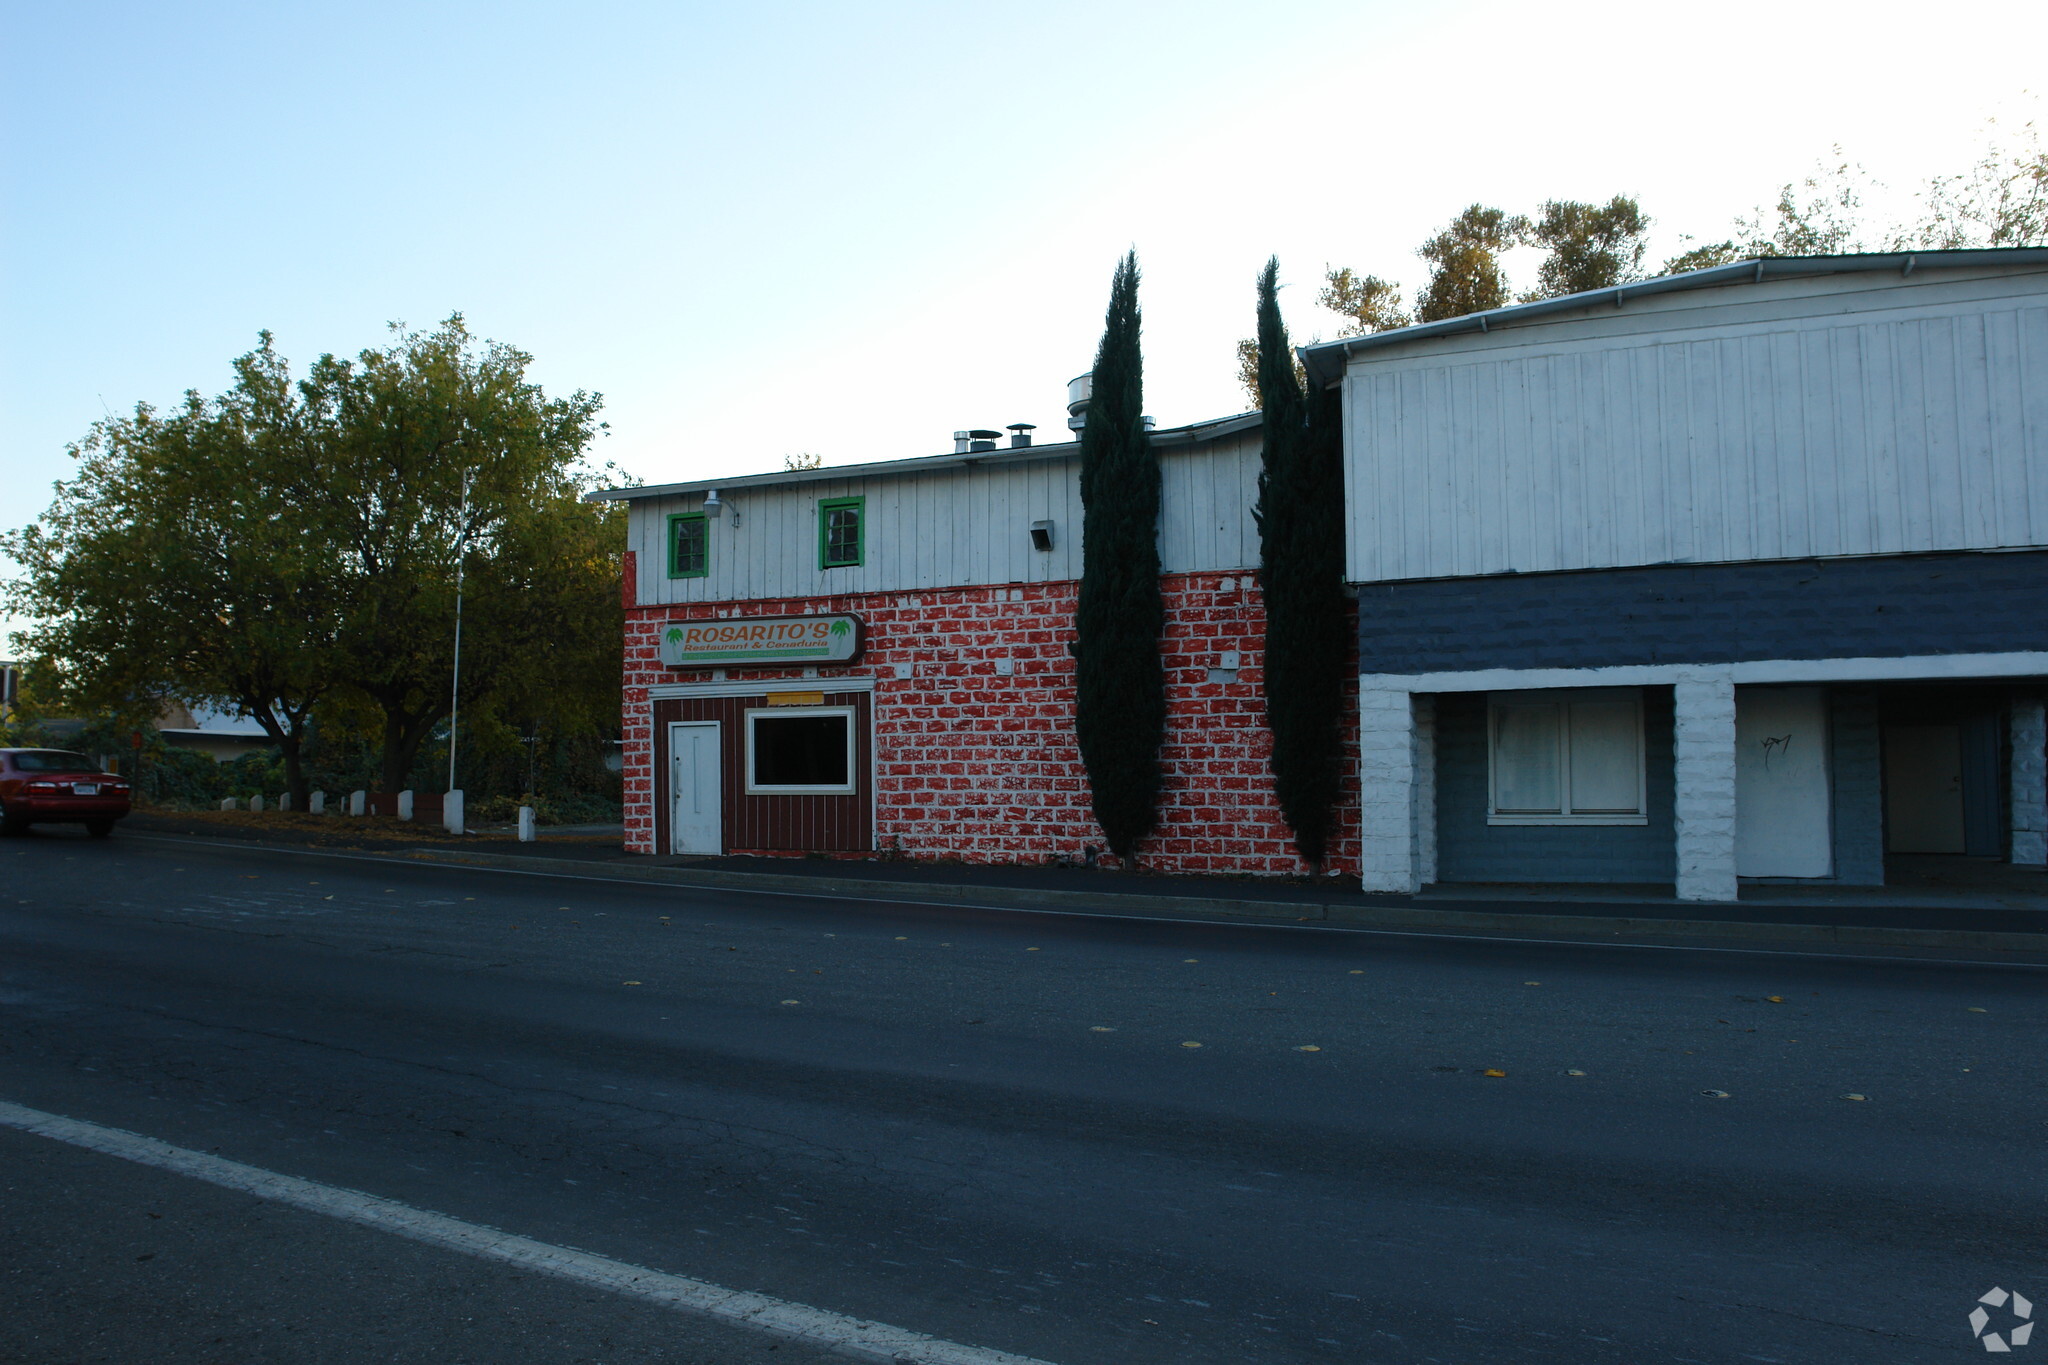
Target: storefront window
1566, 758
807, 751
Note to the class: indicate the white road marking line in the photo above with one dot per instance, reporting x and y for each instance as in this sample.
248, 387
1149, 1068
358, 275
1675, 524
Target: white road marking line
835, 1332
1468, 936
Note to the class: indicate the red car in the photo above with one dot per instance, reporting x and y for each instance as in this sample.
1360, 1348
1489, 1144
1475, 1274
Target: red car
54, 786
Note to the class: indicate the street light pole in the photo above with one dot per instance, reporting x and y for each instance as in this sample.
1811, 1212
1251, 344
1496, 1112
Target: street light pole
455, 686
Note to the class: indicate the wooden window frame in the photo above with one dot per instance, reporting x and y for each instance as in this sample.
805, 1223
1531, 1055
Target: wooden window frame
1564, 815
675, 519
826, 507
853, 775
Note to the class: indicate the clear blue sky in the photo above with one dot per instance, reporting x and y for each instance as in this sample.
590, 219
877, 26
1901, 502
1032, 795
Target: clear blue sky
850, 229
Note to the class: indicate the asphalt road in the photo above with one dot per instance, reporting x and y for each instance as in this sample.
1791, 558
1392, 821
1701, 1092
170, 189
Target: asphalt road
987, 1125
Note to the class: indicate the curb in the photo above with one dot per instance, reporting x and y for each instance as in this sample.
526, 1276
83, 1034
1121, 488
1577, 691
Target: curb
1408, 918
1400, 917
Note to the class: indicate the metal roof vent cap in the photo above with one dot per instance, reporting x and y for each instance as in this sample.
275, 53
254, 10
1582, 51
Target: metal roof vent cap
1020, 434
959, 443
979, 439
1079, 390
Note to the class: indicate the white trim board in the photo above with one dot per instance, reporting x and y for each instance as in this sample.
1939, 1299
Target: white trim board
758, 688
1910, 668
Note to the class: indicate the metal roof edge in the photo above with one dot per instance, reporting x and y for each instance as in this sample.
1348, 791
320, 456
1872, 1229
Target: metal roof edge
1325, 361
1191, 434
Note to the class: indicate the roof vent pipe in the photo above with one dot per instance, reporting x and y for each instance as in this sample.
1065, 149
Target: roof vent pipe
1079, 390
979, 440
1020, 434
959, 443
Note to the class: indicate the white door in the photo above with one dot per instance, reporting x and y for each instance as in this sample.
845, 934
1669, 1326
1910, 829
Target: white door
693, 788
1782, 825
1923, 788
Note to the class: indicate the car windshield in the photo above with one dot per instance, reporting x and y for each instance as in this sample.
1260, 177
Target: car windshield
53, 761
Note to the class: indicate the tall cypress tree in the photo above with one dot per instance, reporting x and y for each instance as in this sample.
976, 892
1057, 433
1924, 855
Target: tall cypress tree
1120, 701
1301, 572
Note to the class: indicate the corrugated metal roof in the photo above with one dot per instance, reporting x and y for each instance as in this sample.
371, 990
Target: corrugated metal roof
1192, 434
1326, 362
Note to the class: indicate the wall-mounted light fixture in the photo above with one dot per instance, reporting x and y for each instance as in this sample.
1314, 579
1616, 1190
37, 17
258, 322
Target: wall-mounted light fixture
1041, 535
713, 505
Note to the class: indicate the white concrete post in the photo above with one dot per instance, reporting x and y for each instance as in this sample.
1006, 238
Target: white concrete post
2029, 782
1386, 791
451, 812
526, 832
1703, 804
358, 802
284, 802
405, 804
229, 803
256, 803
316, 803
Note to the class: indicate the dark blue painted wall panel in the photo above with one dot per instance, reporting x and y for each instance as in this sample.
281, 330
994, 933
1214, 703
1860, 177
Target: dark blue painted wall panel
1717, 613
1856, 786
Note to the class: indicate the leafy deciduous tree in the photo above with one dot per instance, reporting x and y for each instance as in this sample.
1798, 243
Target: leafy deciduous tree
288, 547
438, 448
175, 564
1591, 246
1248, 370
1370, 303
1464, 258
2000, 201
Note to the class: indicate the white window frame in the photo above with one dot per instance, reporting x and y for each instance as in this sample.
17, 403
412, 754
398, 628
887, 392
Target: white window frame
850, 787
1563, 698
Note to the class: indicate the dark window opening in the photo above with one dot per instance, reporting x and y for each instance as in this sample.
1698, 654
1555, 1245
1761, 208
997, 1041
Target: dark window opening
801, 751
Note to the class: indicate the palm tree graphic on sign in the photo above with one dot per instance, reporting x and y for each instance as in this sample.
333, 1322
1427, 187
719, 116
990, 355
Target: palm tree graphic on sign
841, 626
675, 635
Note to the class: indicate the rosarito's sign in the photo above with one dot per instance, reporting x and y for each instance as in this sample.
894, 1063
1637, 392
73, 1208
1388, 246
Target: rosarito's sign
767, 640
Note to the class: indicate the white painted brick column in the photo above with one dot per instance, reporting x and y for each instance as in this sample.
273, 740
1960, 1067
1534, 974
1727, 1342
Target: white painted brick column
2029, 782
1703, 804
1425, 788
1386, 791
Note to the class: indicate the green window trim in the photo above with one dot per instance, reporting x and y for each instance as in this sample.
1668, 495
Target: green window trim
842, 551
677, 567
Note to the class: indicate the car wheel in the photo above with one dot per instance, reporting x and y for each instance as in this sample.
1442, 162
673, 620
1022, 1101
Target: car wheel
99, 829
11, 823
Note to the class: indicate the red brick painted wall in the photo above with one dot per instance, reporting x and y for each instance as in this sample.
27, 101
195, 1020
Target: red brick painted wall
982, 766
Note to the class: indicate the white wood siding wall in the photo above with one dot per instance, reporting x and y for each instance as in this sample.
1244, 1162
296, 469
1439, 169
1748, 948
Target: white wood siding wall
949, 528
1867, 415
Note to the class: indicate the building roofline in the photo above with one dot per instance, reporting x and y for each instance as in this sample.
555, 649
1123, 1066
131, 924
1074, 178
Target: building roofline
1327, 361
1192, 434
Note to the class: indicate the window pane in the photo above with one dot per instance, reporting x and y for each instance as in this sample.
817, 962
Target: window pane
1525, 777
693, 544
54, 761
800, 751
1606, 758
842, 535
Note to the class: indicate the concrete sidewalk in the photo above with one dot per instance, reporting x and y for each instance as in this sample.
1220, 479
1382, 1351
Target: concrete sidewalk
2011, 916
